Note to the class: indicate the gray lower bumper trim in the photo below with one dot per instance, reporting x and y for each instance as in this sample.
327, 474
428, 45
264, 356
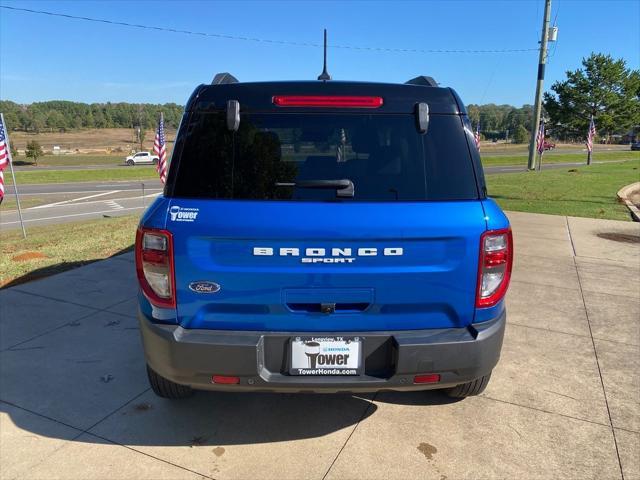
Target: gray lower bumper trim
260, 359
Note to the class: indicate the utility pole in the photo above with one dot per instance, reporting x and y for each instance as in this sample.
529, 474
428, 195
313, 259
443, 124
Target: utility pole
537, 105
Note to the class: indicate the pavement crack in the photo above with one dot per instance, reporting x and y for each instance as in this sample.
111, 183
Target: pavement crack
115, 410
362, 417
562, 395
541, 410
18, 289
149, 455
73, 323
515, 430
80, 431
550, 330
595, 353
573, 247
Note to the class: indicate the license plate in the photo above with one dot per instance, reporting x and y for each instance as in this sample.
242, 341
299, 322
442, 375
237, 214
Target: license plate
325, 356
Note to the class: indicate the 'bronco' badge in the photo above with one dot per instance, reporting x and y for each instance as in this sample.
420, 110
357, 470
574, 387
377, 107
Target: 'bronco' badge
204, 287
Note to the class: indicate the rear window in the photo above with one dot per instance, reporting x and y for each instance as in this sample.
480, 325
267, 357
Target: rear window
284, 156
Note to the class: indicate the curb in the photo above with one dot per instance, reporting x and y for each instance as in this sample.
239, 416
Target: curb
624, 194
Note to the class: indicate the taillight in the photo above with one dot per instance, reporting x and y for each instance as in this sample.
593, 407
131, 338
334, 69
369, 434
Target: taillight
494, 266
427, 378
154, 266
225, 380
327, 101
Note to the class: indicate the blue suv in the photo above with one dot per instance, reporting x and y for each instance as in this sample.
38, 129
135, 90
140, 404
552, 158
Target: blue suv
326, 237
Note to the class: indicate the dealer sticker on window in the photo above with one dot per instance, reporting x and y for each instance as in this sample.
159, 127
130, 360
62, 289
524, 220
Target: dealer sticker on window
325, 356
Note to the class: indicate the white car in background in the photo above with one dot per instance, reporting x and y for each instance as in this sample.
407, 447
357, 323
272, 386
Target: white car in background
141, 158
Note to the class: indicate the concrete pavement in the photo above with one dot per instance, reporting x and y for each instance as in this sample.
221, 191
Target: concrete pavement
564, 401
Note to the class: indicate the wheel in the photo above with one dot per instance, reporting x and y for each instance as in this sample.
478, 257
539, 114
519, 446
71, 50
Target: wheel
155, 161
166, 388
469, 389
130, 163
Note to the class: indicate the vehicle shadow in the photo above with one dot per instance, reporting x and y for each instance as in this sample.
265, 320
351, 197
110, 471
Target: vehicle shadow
420, 398
123, 409
223, 419
216, 419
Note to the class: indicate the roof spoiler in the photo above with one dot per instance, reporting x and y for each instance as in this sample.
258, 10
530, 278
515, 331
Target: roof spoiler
422, 80
223, 79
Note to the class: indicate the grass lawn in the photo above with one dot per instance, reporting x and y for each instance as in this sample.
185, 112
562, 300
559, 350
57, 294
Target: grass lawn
558, 157
64, 176
56, 248
578, 191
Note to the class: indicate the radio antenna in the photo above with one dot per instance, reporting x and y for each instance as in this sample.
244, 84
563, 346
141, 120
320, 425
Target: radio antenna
325, 75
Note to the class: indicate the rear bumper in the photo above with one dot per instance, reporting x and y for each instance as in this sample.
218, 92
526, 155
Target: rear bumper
260, 359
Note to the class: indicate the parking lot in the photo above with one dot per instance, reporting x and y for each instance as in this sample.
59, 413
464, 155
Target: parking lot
564, 401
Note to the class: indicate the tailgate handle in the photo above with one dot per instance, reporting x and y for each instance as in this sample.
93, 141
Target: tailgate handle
328, 308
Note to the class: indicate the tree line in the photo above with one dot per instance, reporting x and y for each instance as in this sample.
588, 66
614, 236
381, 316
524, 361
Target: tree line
501, 122
604, 87
60, 115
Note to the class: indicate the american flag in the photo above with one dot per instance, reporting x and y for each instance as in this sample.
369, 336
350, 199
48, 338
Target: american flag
160, 150
591, 134
340, 150
4, 157
540, 138
476, 136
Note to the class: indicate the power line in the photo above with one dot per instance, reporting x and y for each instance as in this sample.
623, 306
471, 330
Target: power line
265, 40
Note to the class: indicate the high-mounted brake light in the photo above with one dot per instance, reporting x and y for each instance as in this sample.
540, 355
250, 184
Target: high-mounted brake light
494, 266
154, 266
327, 101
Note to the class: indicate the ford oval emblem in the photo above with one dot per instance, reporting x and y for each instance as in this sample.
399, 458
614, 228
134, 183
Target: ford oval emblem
204, 287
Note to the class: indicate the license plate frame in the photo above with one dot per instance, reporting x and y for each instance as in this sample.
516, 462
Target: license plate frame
320, 356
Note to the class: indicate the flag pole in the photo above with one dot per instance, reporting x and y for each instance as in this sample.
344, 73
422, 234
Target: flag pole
13, 175
540, 162
589, 141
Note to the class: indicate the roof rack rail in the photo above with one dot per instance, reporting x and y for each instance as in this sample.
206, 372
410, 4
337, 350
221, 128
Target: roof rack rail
223, 79
422, 80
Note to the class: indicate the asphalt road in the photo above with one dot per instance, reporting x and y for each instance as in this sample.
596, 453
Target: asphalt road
83, 187
89, 201
612, 148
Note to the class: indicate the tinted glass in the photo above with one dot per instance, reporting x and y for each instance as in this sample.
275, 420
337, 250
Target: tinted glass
384, 157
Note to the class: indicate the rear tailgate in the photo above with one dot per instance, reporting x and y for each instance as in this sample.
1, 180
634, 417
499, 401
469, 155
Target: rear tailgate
398, 266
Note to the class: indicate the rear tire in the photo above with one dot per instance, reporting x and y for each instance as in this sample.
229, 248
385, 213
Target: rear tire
469, 389
166, 388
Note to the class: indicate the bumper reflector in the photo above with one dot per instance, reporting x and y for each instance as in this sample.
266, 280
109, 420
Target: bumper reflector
428, 378
225, 380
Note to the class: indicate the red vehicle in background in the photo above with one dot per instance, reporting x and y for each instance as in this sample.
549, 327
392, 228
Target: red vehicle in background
548, 145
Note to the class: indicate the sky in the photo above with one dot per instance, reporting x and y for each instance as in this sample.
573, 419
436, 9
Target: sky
52, 58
